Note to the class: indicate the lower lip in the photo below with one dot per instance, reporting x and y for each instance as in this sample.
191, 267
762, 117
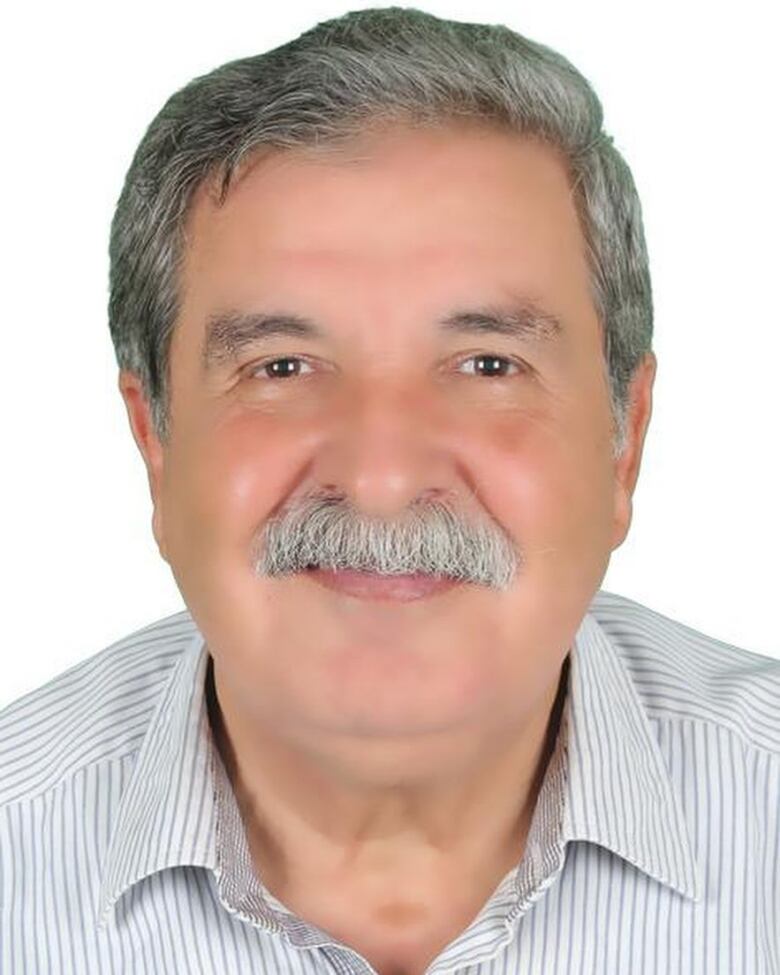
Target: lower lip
371, 585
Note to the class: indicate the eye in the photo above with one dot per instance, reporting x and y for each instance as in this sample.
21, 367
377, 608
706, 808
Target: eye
289, 367
277, 368
494, 365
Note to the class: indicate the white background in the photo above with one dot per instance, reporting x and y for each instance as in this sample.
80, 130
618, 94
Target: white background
690, 95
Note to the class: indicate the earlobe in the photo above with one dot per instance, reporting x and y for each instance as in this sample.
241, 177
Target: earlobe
628, 464
149, 446
623, 510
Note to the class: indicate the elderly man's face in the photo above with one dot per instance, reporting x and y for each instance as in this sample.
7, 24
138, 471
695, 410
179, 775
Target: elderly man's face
385, 410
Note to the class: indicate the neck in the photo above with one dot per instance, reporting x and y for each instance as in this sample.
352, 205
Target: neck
308, 820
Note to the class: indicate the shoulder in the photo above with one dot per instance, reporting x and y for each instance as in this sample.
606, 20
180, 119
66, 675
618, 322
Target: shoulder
96, 710
682, 674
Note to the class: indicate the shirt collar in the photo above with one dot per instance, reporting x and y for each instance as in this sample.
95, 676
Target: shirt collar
606, 783
166, 815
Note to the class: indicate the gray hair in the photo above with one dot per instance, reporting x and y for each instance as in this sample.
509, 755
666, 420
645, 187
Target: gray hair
335, 81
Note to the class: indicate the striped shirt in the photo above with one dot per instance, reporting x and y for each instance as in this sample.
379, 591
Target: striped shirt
654, 845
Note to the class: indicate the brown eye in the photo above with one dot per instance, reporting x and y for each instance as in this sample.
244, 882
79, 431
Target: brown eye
289, 367
493, 366
286, 367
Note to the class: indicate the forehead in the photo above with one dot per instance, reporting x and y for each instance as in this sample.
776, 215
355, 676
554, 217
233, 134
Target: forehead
431, 214
421, 183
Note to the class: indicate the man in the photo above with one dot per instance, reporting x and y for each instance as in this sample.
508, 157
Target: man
382, 311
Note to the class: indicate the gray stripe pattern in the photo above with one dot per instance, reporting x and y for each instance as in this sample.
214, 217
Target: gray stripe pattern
654, 847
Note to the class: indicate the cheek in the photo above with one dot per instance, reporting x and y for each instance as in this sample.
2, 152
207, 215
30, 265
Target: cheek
220, 488
553, 493
552, 488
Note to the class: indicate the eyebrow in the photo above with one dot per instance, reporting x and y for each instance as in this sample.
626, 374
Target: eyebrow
228, 333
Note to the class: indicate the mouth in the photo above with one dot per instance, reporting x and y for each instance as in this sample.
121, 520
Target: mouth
374, 585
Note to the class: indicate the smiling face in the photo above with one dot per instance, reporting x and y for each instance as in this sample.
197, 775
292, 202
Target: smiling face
377, 402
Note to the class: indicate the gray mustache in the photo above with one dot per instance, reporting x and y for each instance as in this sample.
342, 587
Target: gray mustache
328, 532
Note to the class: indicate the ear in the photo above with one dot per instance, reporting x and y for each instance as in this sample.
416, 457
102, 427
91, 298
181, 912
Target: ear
152, 451
627, 465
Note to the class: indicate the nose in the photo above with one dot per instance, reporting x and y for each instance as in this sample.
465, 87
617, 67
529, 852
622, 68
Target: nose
387, 448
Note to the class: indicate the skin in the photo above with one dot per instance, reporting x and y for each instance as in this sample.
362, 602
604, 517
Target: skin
369, 743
